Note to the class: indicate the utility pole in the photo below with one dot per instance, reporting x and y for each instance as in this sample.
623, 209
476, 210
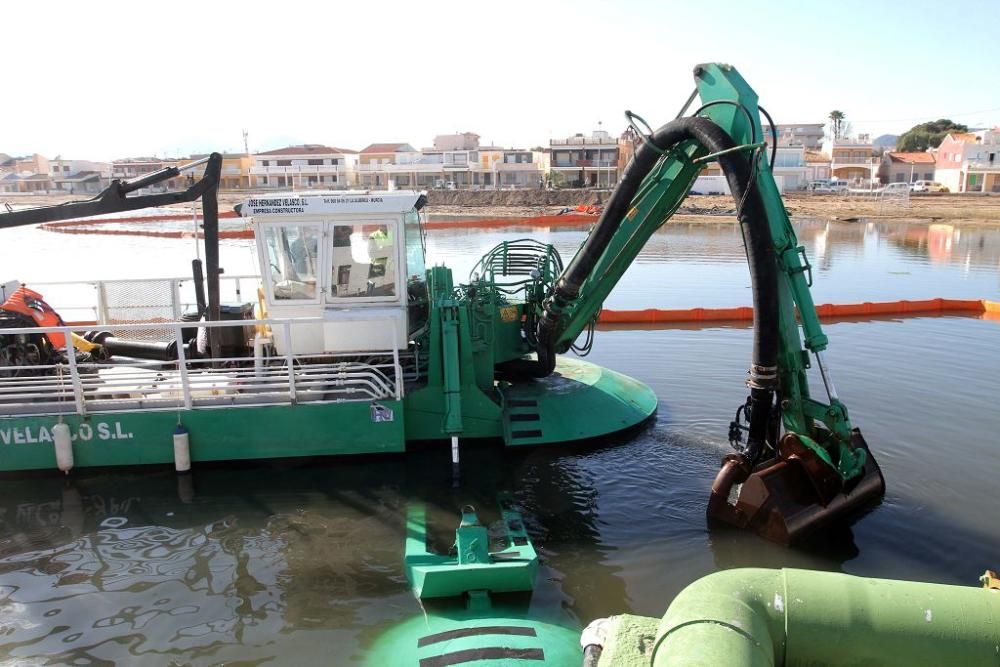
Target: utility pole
246, 144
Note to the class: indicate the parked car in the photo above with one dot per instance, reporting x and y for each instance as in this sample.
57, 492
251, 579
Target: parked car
927, 186
831, 185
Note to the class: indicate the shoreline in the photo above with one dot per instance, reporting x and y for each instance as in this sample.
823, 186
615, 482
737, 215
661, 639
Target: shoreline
953, 209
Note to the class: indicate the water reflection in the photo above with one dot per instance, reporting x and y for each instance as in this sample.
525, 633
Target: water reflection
237, 561
687, 265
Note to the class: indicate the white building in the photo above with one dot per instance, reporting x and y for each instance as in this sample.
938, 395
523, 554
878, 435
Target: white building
305, 167
456, 161
806, 135
79, 175
789, 169
852, 160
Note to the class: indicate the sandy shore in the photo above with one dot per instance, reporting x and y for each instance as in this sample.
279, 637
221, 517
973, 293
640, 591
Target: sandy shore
927, 209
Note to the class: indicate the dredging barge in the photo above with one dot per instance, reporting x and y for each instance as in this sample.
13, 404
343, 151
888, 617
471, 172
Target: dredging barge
353, 346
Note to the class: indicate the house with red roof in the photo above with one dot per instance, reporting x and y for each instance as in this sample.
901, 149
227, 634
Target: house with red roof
906, 167
304, 167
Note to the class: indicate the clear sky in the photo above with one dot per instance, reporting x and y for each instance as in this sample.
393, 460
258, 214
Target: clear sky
103, 81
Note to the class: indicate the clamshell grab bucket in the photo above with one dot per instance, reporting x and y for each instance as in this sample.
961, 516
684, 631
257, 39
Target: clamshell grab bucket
788, 497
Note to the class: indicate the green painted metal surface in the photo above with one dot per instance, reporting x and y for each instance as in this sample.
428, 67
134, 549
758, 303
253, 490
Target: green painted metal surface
454, 637
579, 401
475, 566
760, 618
218, 434
629, 642
481, 566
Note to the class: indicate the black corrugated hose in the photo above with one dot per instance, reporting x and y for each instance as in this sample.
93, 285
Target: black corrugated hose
752, 217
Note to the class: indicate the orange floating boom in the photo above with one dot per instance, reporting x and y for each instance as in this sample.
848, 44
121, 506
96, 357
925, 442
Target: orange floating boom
989, 309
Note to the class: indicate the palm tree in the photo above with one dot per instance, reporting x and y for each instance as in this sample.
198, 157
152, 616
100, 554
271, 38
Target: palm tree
837, 122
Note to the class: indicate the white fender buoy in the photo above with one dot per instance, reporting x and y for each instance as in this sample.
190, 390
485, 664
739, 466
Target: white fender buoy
64, 447
182, 449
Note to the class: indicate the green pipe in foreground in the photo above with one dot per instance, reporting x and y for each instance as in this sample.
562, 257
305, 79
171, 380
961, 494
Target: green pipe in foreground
764, 617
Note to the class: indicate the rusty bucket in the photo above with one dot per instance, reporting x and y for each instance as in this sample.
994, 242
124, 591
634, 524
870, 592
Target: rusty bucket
794, 494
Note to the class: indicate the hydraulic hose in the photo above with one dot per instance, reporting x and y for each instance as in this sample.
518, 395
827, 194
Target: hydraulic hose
752, 217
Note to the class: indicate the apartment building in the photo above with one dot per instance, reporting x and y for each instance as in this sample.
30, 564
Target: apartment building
790, 172
584, 161
25, 174
807, 135
970, 161
518, 168
79, 176
852, 159
375, 162
304, 167
454, 161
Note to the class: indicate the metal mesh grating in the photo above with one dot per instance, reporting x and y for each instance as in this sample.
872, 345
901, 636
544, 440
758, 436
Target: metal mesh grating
136, 302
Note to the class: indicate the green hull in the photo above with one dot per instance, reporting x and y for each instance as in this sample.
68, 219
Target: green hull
580, 401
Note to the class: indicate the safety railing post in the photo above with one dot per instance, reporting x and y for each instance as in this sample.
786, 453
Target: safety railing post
102, 304
175, 297
74, 373
182, 366
289, 361
398, 371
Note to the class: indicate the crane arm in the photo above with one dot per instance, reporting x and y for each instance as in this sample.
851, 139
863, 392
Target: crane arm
726, 129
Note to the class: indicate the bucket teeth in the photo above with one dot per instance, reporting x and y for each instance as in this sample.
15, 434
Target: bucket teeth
793, 494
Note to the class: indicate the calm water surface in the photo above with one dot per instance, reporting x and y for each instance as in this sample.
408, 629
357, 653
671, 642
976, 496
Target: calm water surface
297, 563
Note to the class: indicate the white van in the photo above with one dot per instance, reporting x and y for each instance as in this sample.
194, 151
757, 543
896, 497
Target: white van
927, 186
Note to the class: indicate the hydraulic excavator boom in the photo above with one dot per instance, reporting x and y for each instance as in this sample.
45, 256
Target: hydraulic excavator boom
820, 467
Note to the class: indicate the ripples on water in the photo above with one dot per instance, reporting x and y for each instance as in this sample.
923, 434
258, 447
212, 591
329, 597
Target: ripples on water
300, 562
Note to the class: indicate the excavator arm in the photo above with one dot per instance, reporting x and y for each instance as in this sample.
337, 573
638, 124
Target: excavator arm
821, 456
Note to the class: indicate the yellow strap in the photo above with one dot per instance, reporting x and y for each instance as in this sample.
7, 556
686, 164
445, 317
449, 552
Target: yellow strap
82, 344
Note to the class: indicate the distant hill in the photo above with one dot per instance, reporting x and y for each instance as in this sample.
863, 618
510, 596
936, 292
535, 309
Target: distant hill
885, 141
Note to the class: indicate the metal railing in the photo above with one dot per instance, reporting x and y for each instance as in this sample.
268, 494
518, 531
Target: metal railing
85, 387
308, 169
984, 165
403, 167
87, 300
603, 165
584, 141
853, 160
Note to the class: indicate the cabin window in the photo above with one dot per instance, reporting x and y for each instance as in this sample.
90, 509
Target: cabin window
364, 261
415, 250
293, 254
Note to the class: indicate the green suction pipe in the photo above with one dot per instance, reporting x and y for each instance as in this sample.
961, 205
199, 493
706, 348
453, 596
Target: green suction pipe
758, 618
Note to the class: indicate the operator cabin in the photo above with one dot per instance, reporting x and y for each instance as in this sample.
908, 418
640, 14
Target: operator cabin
344, 261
